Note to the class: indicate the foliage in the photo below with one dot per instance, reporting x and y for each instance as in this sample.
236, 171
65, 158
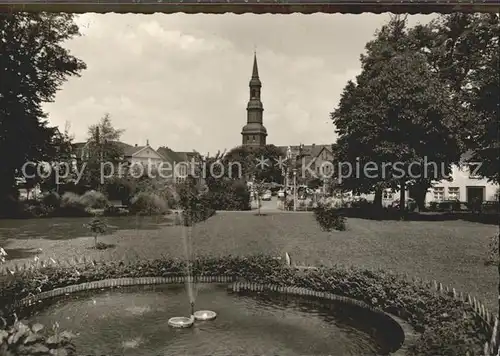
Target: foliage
36, 209
52, 199
443, 340
249, 158
155, 184
493, 252
72, 205
3, 255
97, 227
396, 118
314, 183
62, 170
223, 191
115, 211
198, 210
329, 218
231, 195
35, 64
102, 153
438, 315
146, 203
196, 206
463, 49
24, 340
122, 189
94, 199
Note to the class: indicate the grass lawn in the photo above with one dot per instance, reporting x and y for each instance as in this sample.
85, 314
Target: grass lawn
452, 252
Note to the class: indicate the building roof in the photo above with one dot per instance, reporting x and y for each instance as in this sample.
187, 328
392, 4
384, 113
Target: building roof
307, 150
187, 156
169, 155
131, 150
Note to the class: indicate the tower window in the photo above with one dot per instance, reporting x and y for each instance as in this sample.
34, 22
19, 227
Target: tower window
253, 93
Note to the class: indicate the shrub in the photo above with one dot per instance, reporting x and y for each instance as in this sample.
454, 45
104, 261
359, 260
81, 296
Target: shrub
493, 257
21, 339
148, 204
361, 204
72, 205
230, 195
71, 200
120, 189
97, 227
450, 339
115, 211
37, 210
94, 200
52, 199
449, 326
197, 209
329, 218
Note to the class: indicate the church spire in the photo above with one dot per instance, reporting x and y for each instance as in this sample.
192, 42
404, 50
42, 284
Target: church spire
254, 133
255, 71
255, 83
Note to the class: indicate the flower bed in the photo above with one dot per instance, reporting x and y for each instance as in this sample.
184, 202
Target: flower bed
449, 325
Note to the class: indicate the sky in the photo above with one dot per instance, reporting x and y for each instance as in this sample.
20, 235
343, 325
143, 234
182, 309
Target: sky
182, 80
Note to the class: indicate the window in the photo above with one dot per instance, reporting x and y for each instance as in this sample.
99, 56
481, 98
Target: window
254, 93
454, 193
438, 193
473, 168
387, 194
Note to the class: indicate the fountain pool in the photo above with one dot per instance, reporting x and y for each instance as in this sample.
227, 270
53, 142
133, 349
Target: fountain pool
134, 321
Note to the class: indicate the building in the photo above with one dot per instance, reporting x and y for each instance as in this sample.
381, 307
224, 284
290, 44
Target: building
464, 185
142, 155
182, 163
254, 133
163, 162
315, 158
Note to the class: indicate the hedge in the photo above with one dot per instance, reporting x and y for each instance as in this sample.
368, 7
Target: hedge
448, 325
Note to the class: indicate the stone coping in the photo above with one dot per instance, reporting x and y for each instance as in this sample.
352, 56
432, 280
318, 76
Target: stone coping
401, 327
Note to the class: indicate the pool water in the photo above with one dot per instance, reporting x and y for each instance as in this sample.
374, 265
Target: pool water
133, 321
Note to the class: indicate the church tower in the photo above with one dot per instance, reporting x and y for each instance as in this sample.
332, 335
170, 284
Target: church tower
254, 133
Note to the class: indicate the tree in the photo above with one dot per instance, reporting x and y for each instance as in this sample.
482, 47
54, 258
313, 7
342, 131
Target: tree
62, 170
255, 161
259, 187
102, 146
463, 49
396, 122
97, 227
34, 64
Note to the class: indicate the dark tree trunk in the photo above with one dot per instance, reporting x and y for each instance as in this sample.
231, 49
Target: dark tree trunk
402, 200
418, 191
377, 200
